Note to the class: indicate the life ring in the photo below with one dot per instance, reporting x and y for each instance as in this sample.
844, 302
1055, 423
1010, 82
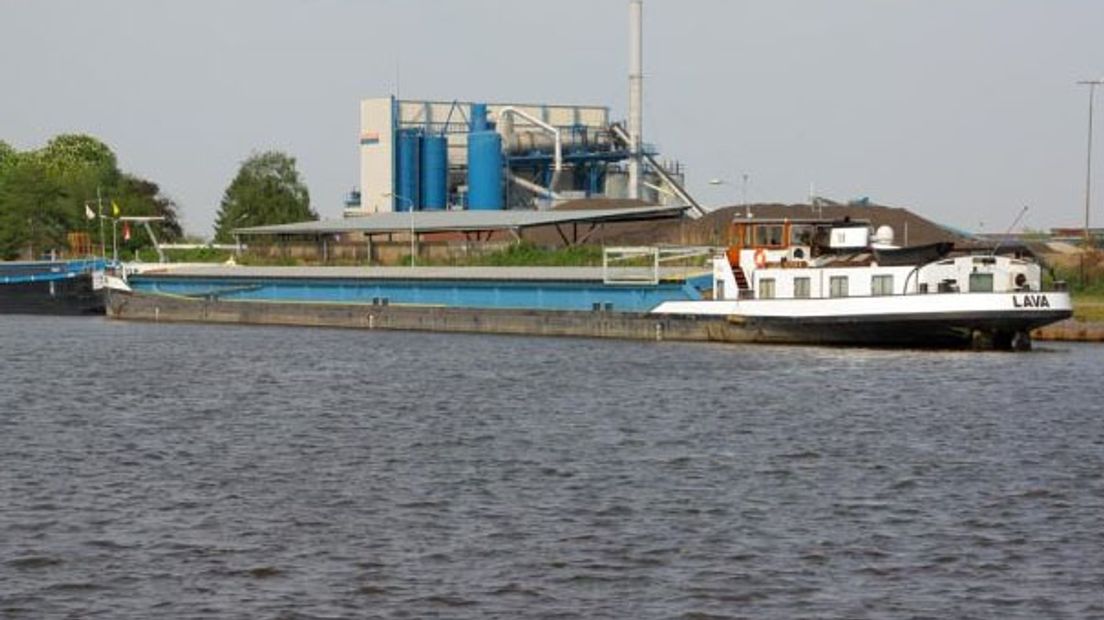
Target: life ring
760, 258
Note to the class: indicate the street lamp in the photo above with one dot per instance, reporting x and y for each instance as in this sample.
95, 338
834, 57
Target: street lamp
1092, 84
743, 191
410, 207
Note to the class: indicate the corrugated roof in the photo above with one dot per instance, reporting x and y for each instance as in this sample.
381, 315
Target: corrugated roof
433, 221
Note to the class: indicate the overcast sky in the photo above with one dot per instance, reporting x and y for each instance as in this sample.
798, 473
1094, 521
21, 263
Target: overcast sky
961, 110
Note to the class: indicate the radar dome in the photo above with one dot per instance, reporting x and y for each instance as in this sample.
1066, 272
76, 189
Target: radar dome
884, 235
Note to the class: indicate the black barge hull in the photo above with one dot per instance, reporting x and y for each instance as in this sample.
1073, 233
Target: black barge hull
68, 297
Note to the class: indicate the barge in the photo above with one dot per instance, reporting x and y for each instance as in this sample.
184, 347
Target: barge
73, 287
781, 281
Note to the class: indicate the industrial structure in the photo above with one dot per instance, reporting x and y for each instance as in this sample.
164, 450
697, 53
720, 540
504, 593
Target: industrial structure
450, 155
436, 155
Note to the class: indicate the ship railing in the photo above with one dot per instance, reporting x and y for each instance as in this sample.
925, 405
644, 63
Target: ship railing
647, 265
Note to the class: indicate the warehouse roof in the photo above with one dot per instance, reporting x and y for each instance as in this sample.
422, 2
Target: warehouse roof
438, 221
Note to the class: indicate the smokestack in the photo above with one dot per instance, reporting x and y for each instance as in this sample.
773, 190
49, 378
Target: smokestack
636, 92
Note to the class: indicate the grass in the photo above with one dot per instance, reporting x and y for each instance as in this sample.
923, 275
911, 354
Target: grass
197, 255
1088, 306
526, 255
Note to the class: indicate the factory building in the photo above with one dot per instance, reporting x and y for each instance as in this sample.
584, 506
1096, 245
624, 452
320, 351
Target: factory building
437, 155
479, 156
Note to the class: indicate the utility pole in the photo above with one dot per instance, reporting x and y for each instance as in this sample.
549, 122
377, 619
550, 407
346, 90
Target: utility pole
99, 207
1092, 84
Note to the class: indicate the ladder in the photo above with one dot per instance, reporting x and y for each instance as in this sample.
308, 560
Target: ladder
742, 283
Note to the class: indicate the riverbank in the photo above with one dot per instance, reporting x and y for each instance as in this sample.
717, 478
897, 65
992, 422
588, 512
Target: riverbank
1087, 324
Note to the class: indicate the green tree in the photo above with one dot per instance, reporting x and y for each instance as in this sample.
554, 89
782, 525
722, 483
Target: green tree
267, 190
82, 165
138, 196
43, 195
79, 157
7, 157
34, 212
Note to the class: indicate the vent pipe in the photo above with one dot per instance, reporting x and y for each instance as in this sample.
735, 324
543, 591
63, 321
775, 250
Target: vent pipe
636, 93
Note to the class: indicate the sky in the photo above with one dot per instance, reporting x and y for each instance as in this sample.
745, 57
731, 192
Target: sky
963, 111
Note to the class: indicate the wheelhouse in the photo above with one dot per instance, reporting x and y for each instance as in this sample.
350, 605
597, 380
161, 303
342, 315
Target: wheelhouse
825, 259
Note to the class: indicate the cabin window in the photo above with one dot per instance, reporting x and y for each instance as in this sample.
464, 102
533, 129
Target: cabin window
802, 288
766, 288
718, 290
768, 235
881, 285
981, 283
837, 286
801, 235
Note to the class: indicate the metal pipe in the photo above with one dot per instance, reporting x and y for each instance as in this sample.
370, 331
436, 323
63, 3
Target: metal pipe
696, 210
557, 165
636, 93
533, 187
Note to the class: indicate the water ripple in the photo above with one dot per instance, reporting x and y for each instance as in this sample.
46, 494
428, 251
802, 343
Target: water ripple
221, 472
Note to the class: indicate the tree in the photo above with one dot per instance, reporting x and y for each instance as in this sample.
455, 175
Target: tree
79, 157
7, 156
34, 212
43, 195
140, 196
267, 190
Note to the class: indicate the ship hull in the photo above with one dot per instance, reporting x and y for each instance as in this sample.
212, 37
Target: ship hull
977, 320
1008, 330
73, 296
964, 330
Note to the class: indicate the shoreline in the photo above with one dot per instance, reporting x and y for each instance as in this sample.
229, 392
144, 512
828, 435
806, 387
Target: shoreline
1070, 330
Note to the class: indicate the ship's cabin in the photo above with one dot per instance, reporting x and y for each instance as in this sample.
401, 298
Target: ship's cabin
810, 259
795, 242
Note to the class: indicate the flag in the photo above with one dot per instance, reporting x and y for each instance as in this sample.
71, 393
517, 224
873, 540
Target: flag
114, 209
126, 231
89, 213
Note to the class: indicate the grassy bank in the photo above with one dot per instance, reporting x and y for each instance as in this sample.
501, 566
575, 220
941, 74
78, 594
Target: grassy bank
518, 255
527, 255
1088, 307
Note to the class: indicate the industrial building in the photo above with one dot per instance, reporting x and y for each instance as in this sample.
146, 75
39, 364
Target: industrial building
463, 155
436, 155
450, 164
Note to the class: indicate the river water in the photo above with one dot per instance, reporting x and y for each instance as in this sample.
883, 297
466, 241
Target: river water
189, 471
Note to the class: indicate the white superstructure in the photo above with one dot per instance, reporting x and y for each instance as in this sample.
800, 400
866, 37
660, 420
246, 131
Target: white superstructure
844, 282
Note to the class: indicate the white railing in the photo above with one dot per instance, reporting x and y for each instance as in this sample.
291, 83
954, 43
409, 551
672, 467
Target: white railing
650, 264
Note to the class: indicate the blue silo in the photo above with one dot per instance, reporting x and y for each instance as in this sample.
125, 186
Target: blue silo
485, 170
478, 117
407, 179
434, 172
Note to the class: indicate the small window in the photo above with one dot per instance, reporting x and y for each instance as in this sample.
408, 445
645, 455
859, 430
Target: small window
981, 283
801, 234
837, 286
770, 236
881, 285
766, 288
802, 288
719, 290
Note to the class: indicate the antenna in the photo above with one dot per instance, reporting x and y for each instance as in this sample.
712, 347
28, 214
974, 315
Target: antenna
1009, 231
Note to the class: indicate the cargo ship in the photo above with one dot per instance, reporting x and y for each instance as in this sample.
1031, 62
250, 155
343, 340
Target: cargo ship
826, 282
781, 281
71, 287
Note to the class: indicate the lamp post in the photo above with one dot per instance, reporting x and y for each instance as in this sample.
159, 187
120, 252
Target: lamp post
1092, 84
718, 182
410, 207
743, 190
